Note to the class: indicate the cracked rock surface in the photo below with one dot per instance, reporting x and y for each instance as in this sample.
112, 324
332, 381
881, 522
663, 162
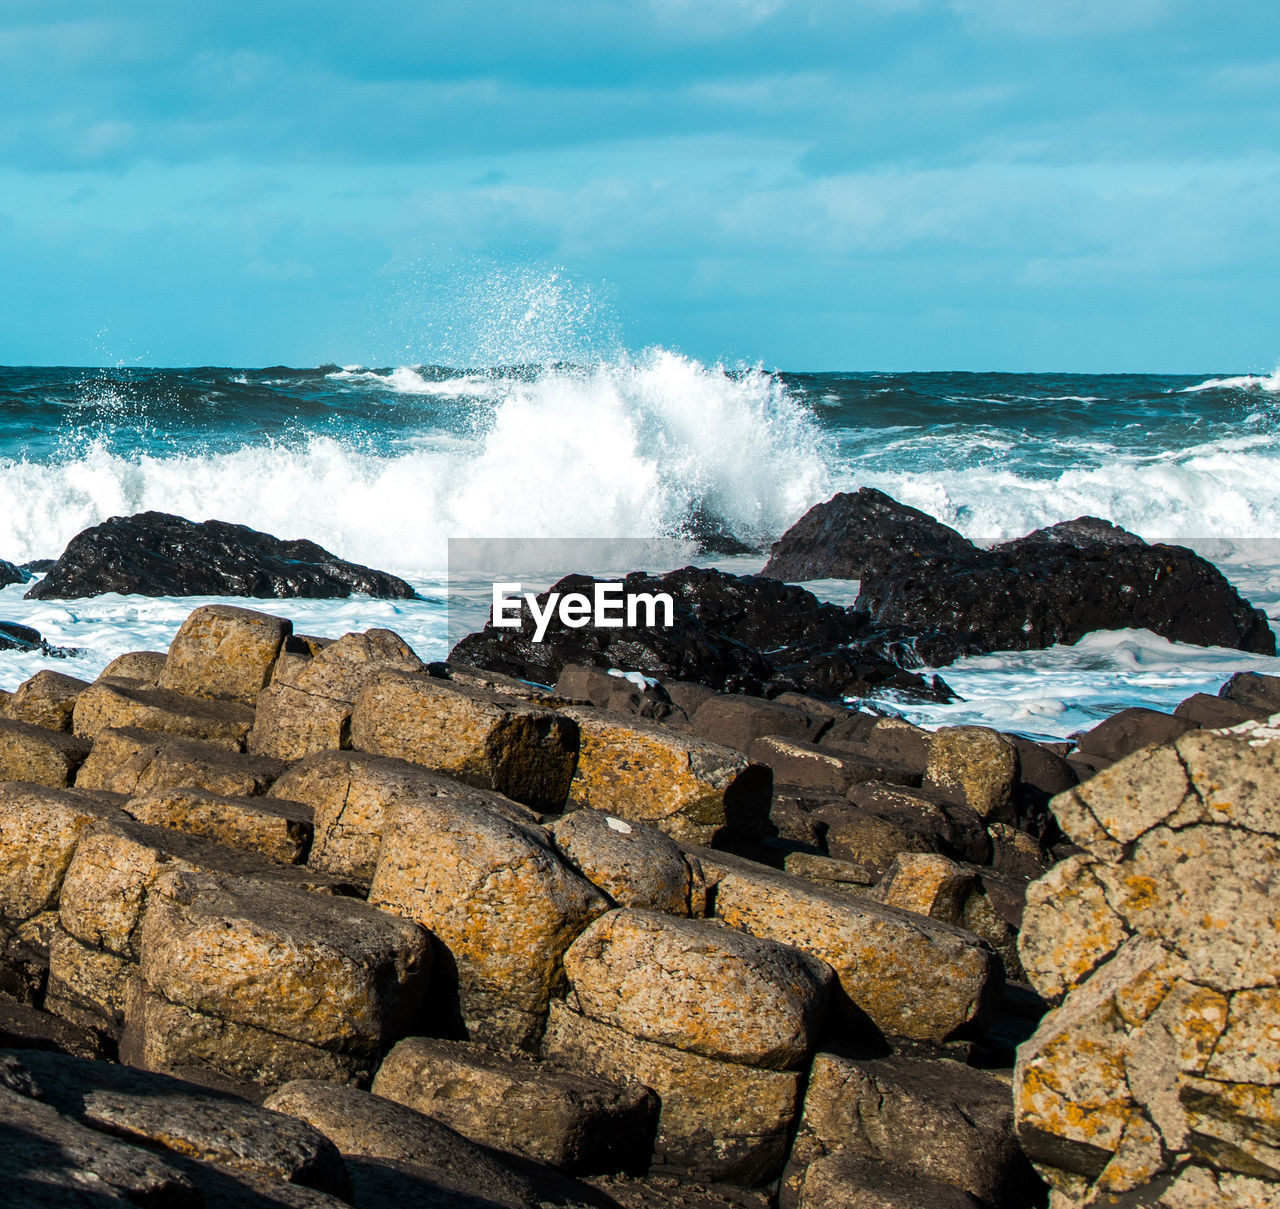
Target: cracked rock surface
1156, 1079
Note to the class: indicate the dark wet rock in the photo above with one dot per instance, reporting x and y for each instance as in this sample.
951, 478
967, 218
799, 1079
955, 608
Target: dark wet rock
810, 766
15, 637
591, 685
1212, 713
737, 721
734, 634
1045, 589
712, 533
36, 566
1041, 770
157, 554
1085, 532
26, 1027
1255, 690
1131, 729
889, 740
853, 533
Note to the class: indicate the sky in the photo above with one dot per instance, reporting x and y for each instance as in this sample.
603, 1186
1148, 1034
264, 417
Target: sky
1025, 185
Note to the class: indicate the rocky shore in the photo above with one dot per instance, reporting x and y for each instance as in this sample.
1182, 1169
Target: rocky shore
291, 920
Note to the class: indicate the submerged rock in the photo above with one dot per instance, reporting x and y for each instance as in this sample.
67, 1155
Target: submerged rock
157, 554
15, 637
10, 574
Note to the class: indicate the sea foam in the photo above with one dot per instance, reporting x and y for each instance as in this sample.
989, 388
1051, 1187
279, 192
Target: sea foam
628, 448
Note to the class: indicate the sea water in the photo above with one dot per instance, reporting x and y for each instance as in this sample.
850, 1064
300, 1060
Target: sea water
382, 465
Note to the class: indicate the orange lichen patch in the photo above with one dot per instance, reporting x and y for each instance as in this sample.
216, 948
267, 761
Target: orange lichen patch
1044, 1107
1136, 1000
1187, 1025
1139, 892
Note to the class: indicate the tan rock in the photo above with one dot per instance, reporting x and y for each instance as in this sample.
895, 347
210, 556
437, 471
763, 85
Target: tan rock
87, 985
115, 866
40, 756
827, 870
496, 895
133, 761
273, 827
927, 884
46, 700
329, 972
853, 1181
973, 765
107, 704
643, 772
1166, 942
39, 830
349, 794
869, 841
361, 1124
930, 1120
224, 651
912, 976
1117, 805
635, 864
1069, 927
569, 1120
698, 986
145, 667
307, 706
167, 1038
1071, 1092
484, 739
718, 1120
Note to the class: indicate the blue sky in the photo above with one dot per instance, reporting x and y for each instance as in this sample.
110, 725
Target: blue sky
861, 184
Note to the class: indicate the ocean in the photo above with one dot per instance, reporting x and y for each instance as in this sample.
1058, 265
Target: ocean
384, 465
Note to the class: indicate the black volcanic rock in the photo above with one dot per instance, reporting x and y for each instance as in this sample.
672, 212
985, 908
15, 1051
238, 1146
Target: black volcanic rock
1055, 586
9, 574
852, 534
15, 637
734, 634
1083, 533
156, 554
